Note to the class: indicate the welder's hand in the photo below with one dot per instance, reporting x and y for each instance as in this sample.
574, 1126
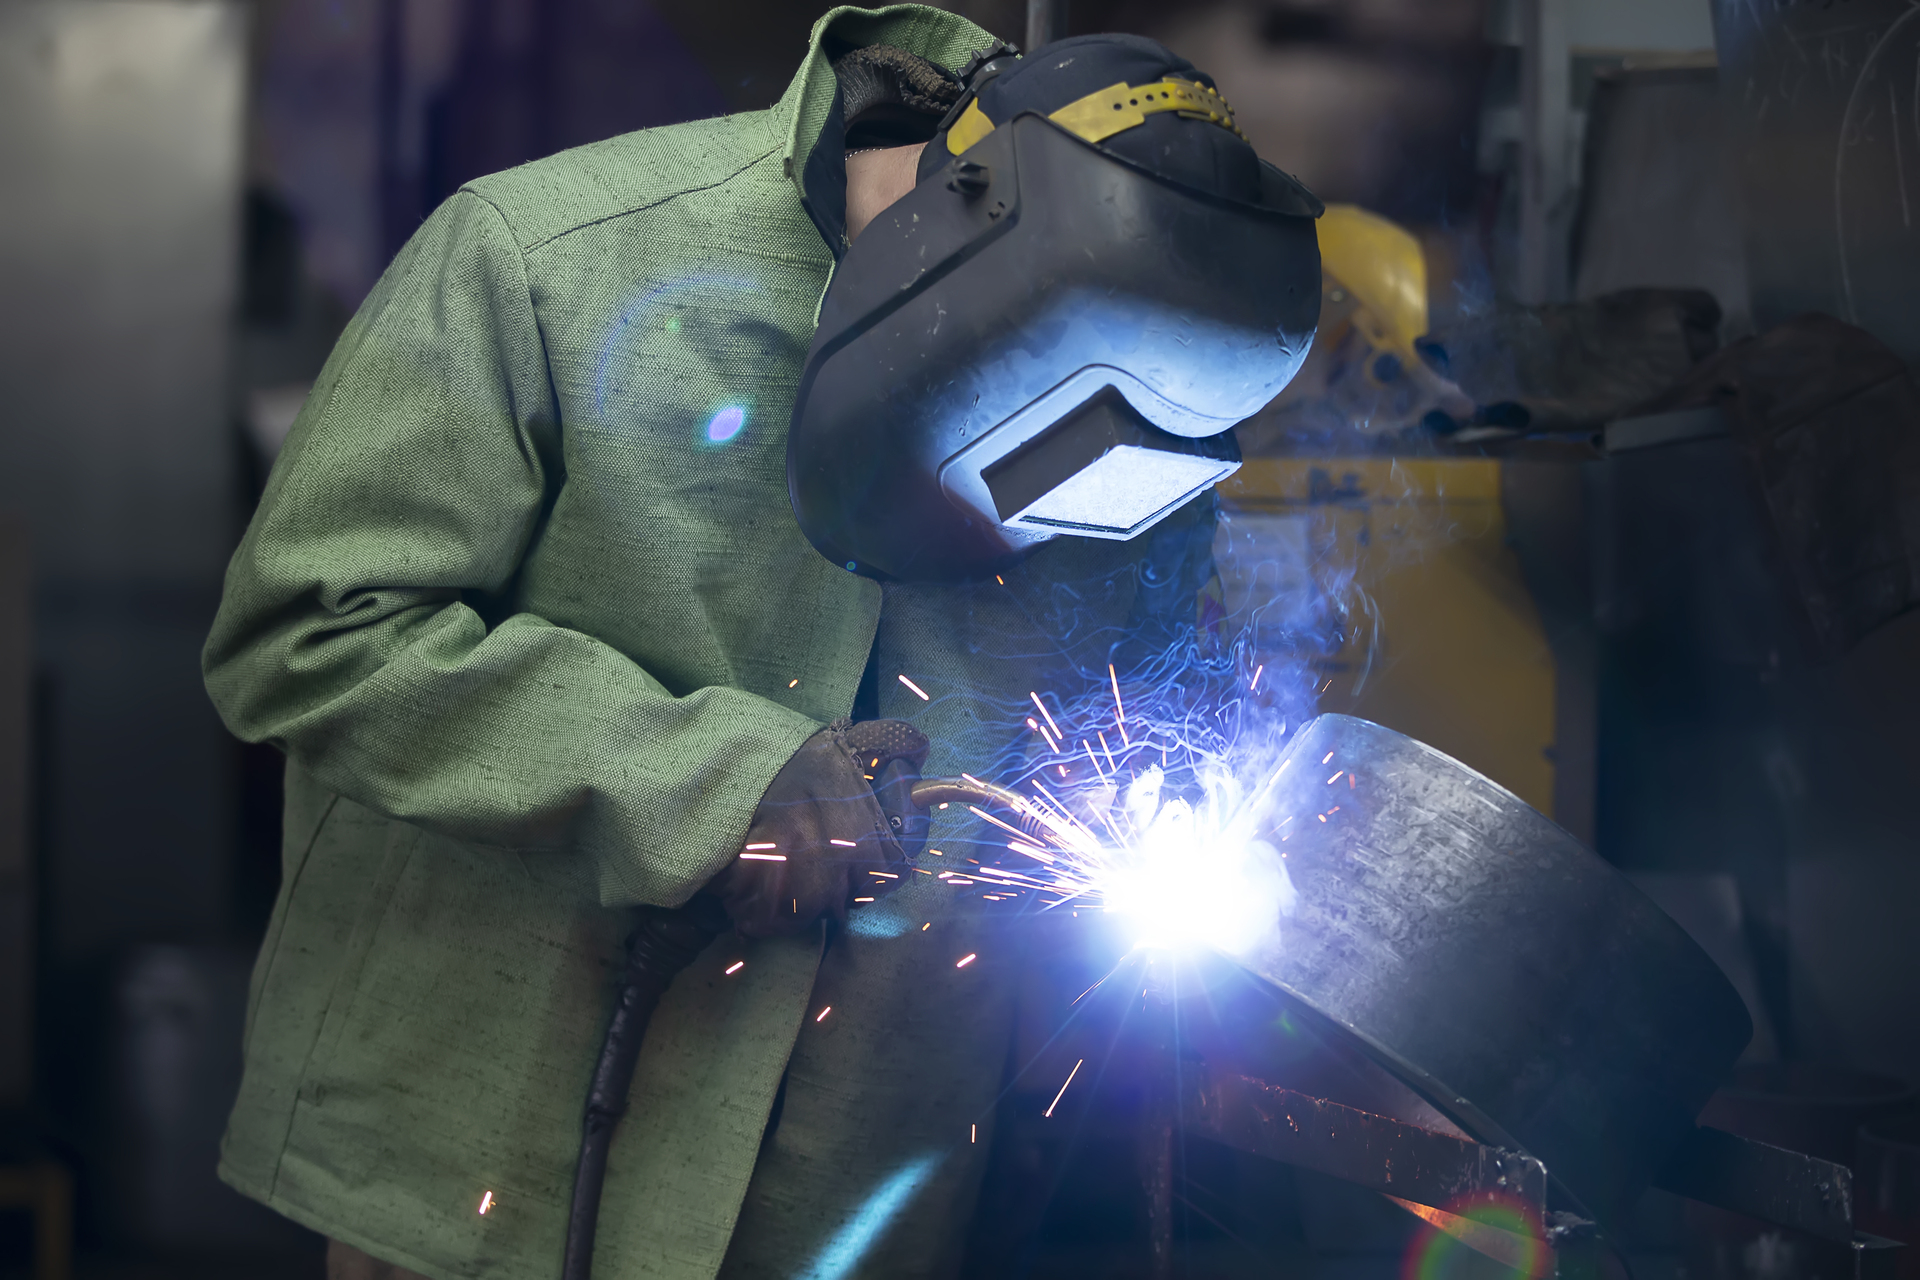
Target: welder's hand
822, 838
891, 754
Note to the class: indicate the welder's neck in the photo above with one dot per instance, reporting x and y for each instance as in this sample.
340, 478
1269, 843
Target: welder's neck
875, 179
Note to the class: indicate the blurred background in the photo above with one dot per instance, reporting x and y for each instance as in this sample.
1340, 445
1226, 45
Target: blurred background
197, 194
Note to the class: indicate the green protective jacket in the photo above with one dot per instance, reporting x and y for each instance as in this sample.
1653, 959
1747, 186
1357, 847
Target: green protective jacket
526, 607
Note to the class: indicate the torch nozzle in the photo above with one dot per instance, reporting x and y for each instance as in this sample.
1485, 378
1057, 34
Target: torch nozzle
929, 792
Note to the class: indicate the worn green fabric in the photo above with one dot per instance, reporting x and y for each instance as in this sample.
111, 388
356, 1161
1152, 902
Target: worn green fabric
534, 640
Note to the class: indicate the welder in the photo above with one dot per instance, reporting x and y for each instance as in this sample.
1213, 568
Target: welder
606, 517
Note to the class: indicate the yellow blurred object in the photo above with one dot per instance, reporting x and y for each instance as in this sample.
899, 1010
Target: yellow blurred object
1441, 641
1381, 264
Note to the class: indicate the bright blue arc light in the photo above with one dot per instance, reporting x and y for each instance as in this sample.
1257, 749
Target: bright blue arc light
726, 424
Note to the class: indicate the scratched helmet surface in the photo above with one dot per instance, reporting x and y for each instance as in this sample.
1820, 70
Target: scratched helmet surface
1055, 331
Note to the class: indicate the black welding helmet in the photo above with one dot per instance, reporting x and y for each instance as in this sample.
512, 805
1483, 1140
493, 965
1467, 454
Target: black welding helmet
1054, 332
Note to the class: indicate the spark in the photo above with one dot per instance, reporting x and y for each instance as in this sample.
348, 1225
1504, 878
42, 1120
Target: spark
736, 967
1041, 729
486, 1203
1177, 852
1063, 1089
1090, 990
765, 857
863, 899
1035, 695
890, 875
1327, 758
844, 844
792, 683
997, 578
822, 1015
1335, 778
973, 1133
765, 844
928, 925
1051, 799
1321, 816
1096, 759
1349, 782
916, 689
978, 812
966, 960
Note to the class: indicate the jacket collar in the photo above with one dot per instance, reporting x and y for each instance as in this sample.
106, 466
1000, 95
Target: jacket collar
808, 113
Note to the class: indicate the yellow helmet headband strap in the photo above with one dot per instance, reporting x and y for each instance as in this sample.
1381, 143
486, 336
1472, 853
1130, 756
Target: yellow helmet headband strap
1111, 110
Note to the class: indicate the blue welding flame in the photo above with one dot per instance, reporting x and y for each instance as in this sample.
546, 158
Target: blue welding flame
870, 1223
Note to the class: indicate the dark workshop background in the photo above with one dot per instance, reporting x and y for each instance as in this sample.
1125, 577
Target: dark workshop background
198, 193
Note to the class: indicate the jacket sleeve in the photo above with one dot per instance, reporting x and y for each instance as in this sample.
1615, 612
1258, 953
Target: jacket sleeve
363, 632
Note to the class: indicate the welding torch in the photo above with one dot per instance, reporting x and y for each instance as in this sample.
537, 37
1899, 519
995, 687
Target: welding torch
664, 941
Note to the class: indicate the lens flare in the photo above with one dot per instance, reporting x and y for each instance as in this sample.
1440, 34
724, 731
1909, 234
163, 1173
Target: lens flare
1457, 1242
726, 424
870, 1223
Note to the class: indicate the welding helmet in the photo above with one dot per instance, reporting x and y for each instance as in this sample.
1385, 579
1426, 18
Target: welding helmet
1055, 331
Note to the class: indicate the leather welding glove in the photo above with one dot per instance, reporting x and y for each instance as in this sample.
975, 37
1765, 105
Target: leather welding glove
891, 754
821, 818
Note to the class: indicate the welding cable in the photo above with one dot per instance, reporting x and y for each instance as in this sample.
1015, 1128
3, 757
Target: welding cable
664, 942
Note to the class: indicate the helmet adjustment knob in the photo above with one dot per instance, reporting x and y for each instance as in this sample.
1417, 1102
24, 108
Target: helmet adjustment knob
969, 177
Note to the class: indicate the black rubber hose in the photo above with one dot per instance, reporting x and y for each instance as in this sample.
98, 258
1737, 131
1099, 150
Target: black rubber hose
664, 942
